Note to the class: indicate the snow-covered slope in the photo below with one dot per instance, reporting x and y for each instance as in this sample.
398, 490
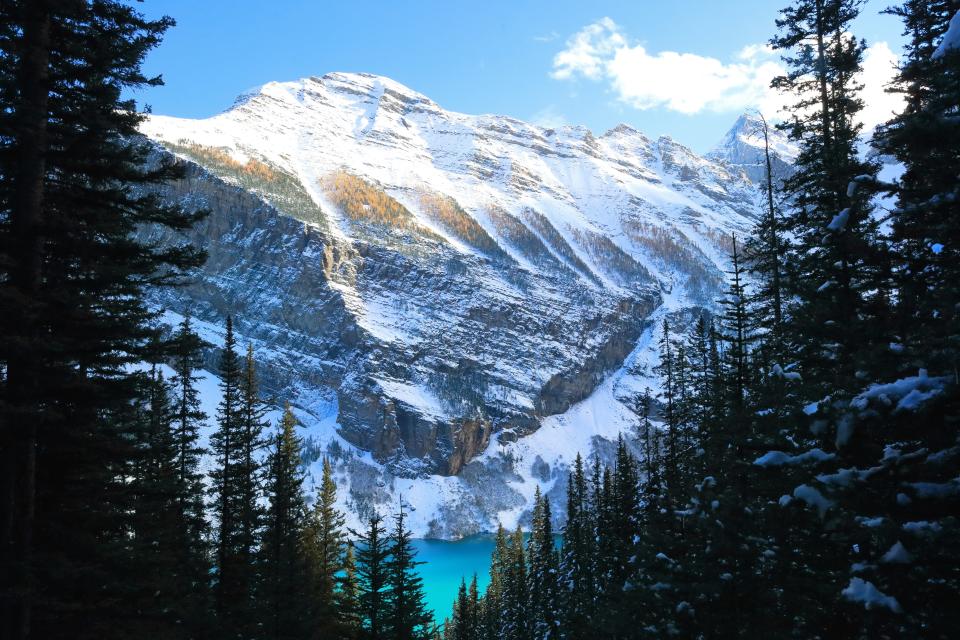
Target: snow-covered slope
455, 304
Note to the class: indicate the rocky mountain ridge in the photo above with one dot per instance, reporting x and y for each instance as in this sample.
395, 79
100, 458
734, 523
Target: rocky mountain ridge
437, 292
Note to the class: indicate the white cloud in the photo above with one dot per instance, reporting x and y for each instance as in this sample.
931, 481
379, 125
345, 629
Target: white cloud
879, 67
548, 118
549, 37
690, 83
588, 51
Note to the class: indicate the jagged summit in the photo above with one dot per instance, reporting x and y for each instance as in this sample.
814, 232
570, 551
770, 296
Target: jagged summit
434, 289
742, 147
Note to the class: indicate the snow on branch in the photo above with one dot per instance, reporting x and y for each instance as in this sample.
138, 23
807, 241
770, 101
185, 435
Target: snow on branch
951, 39
860, 590
839, 222
906, 394
779, 458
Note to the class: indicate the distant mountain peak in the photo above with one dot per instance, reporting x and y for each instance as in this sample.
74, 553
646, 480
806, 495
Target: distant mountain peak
742, 147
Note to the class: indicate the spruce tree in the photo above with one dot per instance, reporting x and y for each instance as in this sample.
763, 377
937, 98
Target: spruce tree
669, 398
542, 574
764, 251
373, 552
891, 508
166, 587
473, 609
515, 603
325, 545
187, 420
406, 615
837, 263
249, 467
349, 619
575, 586
74, 188
233, 593
465, 622
283, 592
924, 139
494, 599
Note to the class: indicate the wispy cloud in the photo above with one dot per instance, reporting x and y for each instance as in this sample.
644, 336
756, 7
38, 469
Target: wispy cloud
690, 83
549, 37
548, 118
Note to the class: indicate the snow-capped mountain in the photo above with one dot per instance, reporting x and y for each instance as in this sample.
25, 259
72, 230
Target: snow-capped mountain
455, 304
743, 148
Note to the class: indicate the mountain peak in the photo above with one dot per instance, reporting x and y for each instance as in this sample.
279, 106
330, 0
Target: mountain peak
748, 131
372, 84
743, 147
368, 85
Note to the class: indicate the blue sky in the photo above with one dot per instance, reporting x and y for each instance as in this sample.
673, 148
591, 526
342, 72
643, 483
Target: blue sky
684, 68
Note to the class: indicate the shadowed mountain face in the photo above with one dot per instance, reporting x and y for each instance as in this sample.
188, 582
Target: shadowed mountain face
444, 281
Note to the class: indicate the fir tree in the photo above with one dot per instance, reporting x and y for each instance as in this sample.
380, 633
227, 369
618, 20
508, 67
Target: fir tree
515, 604
373, 552
349, 620
576, 585
283, 576
406, 615
234, 560
187, 419
542, 574
326, 546
74, 188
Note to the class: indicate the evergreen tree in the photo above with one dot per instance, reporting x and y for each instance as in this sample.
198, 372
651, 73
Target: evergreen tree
406, 615
234, 560
166, 588
326, 546
373, 553
249, 466
667, 371
74, 188
348, 610
457, 627
542, 574
465, 623
893, 458
473, 609
764, 253
515, 605
494, 600
283, 576
924, 139
838, 266
735, 331
576, 565
188, 417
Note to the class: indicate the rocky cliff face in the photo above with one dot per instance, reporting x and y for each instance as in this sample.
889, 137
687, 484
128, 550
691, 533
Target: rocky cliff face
431, 289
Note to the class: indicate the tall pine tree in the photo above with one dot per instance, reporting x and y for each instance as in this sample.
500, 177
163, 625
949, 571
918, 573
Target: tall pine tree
74, 188
283, 588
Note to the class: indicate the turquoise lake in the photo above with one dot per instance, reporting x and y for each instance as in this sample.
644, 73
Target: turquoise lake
446, 563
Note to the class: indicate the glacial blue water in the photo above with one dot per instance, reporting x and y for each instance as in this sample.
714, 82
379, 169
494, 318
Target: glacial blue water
446, 562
